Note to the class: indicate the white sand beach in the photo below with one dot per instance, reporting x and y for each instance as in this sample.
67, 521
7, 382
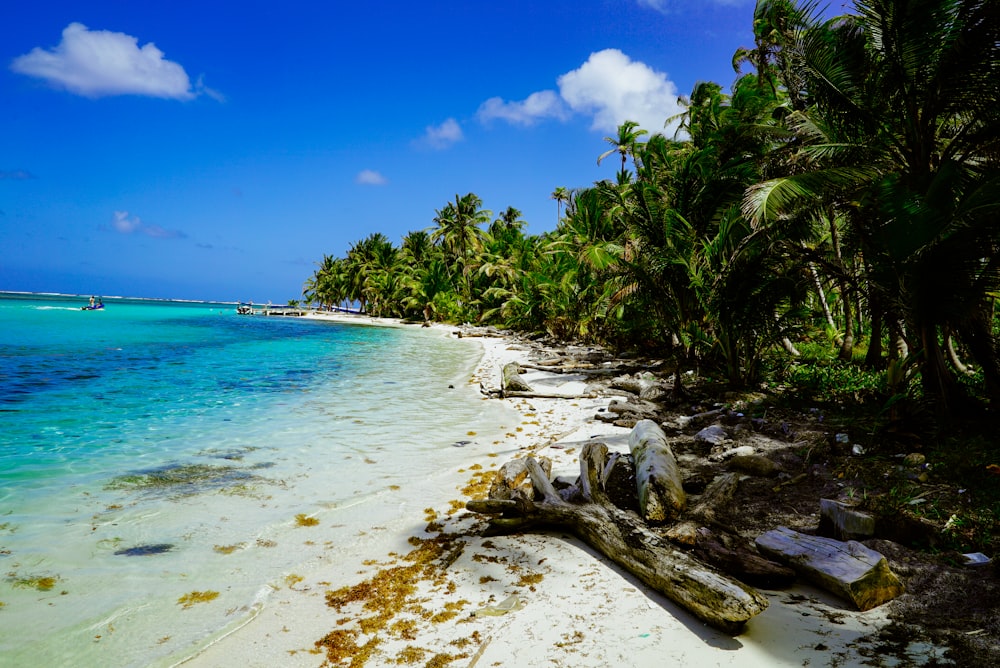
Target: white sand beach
568, 605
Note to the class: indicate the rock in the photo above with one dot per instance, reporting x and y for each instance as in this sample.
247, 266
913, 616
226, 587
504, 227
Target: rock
848, 569
719, 453
754, 464
711, 435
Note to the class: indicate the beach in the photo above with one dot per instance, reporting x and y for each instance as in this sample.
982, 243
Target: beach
523, 599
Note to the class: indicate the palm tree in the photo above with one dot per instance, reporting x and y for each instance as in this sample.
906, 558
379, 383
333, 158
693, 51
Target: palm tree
901, 133
460, 234
776, 28
624, 144
561, 196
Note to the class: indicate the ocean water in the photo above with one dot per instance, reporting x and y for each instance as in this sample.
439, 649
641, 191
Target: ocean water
160, 463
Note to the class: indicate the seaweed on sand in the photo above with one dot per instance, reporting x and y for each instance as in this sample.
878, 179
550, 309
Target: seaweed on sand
39, 582
187, 600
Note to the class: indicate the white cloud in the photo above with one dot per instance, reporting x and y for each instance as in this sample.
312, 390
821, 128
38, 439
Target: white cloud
543, 104
669, 6
370, 177
610, 87
98, 63
614, 88
442, 136
125, 223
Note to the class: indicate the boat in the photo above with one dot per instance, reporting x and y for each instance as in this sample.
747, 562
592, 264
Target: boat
94, 305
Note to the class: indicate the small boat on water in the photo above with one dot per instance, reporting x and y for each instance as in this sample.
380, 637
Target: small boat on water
97, 305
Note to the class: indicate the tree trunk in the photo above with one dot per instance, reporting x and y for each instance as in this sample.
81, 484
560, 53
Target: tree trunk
709, 595
938, 383
846, 353
949, 346
873, 359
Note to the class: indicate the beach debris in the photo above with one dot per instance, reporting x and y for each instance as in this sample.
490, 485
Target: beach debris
976, 559
754, 464
509, 604
304, 520
187, 600
711, 435
844, 522
629, 413
145, 550
587, 511
39, 582
848, 569
658, 479
512, 381
716, 494
737, 556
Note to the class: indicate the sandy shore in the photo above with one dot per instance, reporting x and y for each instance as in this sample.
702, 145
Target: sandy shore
573, 608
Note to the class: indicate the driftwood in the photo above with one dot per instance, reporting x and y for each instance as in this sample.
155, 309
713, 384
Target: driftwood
718, 493
735, 555
657, 477
844, 522
511, 379
588, 369
510, 394
849, 569
722, 547
709, 595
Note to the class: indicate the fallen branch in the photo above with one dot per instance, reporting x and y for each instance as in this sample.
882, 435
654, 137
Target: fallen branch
714, 598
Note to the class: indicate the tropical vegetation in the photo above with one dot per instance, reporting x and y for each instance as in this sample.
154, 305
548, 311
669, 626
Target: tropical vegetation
838, 208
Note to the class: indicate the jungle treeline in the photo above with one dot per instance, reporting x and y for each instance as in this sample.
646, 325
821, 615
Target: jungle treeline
845, 194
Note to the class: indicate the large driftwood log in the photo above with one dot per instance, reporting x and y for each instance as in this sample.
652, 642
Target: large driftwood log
657, 477
849, 569
709, 595
546, 395
511, 380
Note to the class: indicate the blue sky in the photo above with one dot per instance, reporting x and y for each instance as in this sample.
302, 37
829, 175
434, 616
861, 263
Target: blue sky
216, 150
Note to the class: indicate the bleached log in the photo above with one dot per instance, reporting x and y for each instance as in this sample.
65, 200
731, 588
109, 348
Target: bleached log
709, 595
511, 380
848, 569
657, 476
546, 395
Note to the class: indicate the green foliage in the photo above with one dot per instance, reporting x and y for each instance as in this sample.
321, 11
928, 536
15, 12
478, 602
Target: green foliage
851, 183
835, 382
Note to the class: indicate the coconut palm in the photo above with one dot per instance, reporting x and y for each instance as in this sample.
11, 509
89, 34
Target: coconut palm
561, 195
624, 144
901, 131
460, 234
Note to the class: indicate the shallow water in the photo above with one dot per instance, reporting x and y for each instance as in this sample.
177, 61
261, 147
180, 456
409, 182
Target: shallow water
156, 453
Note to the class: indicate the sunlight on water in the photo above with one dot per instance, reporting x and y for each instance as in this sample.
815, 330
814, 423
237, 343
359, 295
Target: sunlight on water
153, 450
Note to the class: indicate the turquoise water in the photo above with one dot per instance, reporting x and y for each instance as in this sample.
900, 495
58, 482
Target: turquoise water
154, 449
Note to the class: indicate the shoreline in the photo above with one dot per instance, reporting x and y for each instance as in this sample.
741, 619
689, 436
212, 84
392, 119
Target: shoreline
572, 606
